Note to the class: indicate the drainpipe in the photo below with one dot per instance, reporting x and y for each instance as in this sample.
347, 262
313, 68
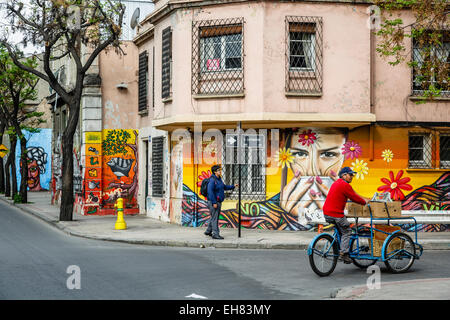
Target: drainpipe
371, 87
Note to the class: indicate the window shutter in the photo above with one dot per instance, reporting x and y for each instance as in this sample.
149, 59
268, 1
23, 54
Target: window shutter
166, 61
143, 81
157, 167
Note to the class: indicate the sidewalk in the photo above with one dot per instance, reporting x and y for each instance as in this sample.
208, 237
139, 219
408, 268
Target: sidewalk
144, 230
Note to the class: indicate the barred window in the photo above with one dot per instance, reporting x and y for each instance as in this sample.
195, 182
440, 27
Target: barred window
304, 55
420, 150
301, 48
221, 53
253, 179
422, 57
444, 150
217, 57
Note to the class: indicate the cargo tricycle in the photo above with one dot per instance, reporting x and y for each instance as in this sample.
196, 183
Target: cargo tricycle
368, 244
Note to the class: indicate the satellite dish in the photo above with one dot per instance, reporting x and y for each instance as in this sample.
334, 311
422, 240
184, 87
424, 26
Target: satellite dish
135, 18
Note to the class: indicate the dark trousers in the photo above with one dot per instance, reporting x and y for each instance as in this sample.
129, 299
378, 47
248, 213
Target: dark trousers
213, 225
343, 227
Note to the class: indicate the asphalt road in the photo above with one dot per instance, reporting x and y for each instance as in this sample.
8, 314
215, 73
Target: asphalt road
38, 261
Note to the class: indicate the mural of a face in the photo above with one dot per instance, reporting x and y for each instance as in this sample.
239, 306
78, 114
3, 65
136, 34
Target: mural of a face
316, 160
36, 160
33, 174
323, 155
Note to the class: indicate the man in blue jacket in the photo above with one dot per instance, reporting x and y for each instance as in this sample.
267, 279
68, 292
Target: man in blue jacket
216, 195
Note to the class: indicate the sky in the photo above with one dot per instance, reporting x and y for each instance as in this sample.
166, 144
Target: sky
145, 5
17, 37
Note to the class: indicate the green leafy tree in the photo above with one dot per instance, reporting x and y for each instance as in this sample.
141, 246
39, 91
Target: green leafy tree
16, 87
430, 35
77, 30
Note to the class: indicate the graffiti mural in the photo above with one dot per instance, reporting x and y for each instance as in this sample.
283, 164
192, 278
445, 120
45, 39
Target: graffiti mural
309, 160
120, 167
38, 160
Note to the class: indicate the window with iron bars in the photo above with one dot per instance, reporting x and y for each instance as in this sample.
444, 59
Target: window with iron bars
423, 149
304, 55
444, 150
252, 158
217, 57
423, 56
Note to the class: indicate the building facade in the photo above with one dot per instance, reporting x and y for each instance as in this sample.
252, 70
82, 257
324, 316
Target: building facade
105, 143
304, 83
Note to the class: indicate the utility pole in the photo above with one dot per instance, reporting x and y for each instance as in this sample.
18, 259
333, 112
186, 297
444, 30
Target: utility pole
239, 142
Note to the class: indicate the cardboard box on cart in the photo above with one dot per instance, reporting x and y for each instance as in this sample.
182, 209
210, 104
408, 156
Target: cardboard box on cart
379, 209
357, 210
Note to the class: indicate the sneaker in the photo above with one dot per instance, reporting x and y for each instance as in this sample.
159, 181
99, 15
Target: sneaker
345, 258
217, 237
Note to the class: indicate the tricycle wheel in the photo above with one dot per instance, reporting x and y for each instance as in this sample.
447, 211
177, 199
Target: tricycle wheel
324, 255
399, 252
364, 249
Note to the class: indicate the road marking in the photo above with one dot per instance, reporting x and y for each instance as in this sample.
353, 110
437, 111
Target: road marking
196, 296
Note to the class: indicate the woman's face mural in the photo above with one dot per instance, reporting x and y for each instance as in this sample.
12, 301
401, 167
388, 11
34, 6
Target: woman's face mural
316, 160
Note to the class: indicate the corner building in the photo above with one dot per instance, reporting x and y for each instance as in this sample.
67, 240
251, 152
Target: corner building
311, 95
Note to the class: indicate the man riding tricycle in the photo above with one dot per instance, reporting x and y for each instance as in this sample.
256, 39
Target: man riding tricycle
362, 245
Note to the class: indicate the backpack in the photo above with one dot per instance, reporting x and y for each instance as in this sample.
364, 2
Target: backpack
204, 187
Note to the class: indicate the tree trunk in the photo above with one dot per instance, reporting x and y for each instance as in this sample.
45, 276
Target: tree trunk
2, 176
67, 199
7, 178
2, 169
23, 170
11, 177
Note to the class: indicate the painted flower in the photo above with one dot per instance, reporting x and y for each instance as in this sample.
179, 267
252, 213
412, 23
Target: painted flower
395, 185
351, 150
203, 176
284, 157
361, 169
387, 155
307, 137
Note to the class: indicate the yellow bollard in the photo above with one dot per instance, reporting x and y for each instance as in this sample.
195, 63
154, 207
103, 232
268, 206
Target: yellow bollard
120, 223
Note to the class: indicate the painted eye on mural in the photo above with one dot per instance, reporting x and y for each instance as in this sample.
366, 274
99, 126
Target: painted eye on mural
300, 153
33, 169
329, 154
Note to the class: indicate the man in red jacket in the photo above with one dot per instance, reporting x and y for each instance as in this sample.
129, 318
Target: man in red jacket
333, 208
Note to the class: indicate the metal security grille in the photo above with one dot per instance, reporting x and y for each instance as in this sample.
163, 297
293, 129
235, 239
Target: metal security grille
444, 150
217, 57
304, 55
424, 57
157, 166
420, 150
253, 155
166, 65
143, 81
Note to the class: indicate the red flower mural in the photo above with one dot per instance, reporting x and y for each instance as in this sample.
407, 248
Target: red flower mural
307, 137
203, 176
395, 185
